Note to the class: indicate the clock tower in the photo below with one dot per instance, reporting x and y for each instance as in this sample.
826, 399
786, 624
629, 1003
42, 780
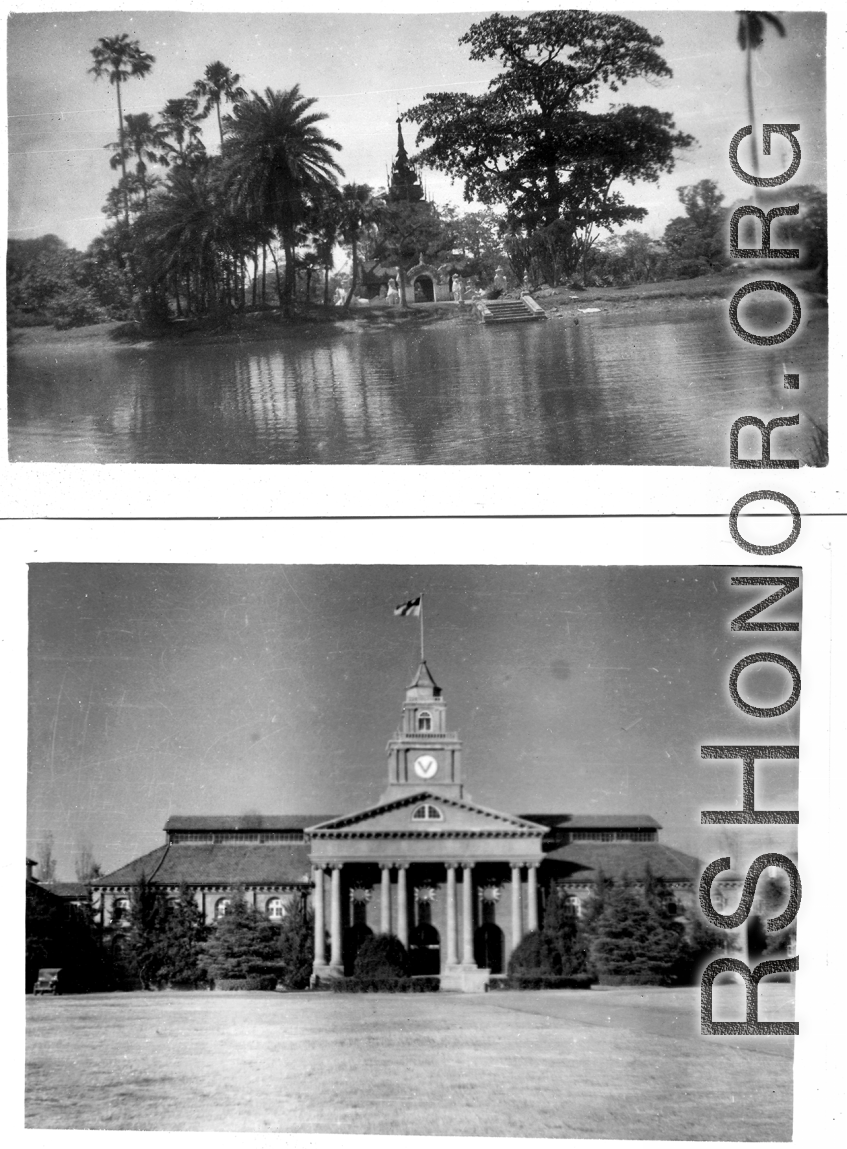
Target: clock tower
423, 754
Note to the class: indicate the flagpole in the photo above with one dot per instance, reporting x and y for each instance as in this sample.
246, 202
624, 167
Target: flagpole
422, 636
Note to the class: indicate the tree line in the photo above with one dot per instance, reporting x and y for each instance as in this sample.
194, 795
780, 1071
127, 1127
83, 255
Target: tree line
198, 233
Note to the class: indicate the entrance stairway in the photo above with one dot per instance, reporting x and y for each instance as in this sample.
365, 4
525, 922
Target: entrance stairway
521, 310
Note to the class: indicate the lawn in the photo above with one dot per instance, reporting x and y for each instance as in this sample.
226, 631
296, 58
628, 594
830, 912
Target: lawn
620, 1063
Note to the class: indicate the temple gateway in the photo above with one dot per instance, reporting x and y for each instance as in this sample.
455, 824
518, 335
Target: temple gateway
458, 883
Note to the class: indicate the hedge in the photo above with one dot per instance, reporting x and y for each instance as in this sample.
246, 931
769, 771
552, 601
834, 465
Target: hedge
549, 981
261, 981
613, 979
385, 985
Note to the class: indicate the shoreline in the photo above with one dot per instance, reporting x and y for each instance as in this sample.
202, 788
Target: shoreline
560, 303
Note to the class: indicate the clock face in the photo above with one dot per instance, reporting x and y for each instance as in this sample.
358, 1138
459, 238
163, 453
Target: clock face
426, 766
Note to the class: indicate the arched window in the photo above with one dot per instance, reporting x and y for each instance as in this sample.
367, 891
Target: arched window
120, 912
573, 906
427, 813
275, 909
424, 720
221, 907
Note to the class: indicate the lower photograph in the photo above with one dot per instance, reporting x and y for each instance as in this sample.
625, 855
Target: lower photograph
412, 850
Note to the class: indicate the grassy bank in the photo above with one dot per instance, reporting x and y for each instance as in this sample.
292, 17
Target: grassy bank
620, 1063
667, 297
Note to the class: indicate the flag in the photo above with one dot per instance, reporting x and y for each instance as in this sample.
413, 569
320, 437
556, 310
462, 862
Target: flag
412, 607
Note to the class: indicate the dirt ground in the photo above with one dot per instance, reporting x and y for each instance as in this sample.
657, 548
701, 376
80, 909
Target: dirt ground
619, 1063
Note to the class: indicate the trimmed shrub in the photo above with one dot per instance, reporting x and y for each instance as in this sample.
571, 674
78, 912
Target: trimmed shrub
385, 985
382, 958
550, 981
254, 982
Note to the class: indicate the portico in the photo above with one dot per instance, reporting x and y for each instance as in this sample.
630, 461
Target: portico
454, 881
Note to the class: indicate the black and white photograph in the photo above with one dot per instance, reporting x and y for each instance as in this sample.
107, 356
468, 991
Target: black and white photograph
416, 238
407, 850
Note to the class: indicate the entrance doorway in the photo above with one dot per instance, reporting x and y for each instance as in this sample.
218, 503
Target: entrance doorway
488, 947
425, 950
424, 290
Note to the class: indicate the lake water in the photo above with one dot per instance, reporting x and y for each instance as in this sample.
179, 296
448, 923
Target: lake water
616, 388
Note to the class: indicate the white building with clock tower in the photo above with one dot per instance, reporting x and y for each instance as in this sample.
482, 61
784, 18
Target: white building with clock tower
457, 882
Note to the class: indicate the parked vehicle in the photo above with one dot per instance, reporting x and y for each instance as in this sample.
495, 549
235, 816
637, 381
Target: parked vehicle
59, 980
47, 982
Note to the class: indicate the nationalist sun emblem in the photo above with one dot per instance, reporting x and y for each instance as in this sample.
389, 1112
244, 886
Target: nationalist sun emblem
490, 893
360, 894
425, 894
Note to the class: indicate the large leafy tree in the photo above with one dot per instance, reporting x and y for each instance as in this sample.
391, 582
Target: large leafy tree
219, 83
279, 163
698, 239
117, 59
529, 143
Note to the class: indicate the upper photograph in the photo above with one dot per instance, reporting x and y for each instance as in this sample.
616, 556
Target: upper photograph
557, 237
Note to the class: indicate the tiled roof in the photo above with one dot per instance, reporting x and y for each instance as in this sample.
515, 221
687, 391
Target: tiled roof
200, 865
233, 822
67, 889
584, 861
595, 821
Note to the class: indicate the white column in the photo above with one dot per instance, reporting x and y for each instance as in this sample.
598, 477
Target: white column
385, 900
532, 897
452, 954
467, 914
335, 959
517, 931
320, 927
402, 906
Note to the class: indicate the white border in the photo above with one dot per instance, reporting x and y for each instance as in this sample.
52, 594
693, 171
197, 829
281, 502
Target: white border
822, 552
82, 490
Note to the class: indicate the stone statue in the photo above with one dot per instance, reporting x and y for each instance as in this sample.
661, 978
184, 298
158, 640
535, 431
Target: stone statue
392, 297
500, 279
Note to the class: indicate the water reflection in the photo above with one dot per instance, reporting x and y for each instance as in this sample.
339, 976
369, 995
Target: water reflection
614, 389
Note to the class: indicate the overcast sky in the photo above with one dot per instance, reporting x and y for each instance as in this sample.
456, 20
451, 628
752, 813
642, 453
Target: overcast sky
362, 68
208, 689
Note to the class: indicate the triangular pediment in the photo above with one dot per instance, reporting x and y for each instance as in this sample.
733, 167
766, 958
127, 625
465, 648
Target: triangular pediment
457, 816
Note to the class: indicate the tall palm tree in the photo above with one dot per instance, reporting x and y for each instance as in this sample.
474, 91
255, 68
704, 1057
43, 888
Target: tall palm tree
751, 35
145, 141
117, 58
357, 211
218, 83
278, 163
181, 123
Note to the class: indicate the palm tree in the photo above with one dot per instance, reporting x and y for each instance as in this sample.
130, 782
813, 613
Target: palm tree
181, 122
358, 210
278, 164
118, 58
185, 229
751, 35
218, 83
144, 140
